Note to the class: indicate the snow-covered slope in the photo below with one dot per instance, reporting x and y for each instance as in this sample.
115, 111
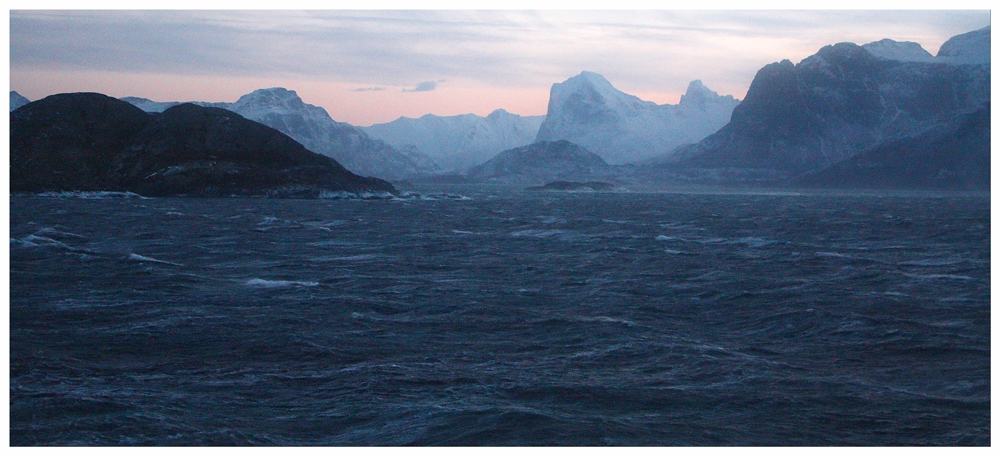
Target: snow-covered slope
587, 110
284, 111
971, 48
905, 51
16, 100
313, 127
458, 142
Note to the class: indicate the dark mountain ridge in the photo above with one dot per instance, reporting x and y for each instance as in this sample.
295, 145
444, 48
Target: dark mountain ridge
847, 101
540, 163
91, 142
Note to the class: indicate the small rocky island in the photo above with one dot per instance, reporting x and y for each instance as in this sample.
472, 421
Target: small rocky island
567, 186
92, 142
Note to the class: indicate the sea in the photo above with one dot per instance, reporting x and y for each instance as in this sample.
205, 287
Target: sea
483, 317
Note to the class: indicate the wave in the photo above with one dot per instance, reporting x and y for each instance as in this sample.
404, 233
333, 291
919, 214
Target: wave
145, 259
91, 195
342, 194
255, 282
934, 262
32, 240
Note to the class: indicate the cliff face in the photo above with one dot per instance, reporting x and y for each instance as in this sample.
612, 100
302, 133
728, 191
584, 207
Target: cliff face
91, 142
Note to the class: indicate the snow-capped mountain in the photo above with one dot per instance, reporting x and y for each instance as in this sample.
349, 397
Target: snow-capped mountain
971, 48
847, 100
458, 142
16, 100
313, 127
540, 163
905, 51
587, 110
967, 48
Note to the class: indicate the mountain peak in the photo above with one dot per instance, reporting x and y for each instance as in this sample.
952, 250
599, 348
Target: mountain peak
905, 51
594, 81
16, 100
274, 99
497, 113
274, 94
697, 94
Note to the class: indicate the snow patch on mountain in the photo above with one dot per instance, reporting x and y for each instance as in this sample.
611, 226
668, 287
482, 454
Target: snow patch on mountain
904, 51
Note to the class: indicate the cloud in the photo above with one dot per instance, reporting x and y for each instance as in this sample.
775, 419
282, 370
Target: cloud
637, 50
367, 89
425, 86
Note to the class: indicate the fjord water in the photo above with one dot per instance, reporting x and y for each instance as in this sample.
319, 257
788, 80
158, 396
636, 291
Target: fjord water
501, 319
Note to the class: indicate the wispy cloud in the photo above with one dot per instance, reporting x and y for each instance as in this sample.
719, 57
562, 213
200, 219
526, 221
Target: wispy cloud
425, 86
368, 89
653, 50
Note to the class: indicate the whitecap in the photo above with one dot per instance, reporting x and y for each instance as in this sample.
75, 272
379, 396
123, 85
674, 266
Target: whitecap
91, 195
32, 240
341, 194
278, 283
360, 257
145, 259
539, 233
939, 276
605, 319
934, 262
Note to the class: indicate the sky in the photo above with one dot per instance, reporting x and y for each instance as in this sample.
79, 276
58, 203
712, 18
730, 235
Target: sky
373, 66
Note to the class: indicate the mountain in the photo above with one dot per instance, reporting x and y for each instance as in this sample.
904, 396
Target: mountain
968, 48
458, 142
956, 157
148, 105
906, 51
313, 127
587, 110
541, 163
840, 102
16, 100
91, 142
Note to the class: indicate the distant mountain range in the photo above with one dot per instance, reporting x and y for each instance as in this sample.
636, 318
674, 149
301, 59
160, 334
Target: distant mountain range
92, 142
880, 105
313, 127
587, 110
459, 142
886, 114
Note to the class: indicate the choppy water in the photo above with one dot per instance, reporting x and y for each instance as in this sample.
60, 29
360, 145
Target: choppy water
501, 319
